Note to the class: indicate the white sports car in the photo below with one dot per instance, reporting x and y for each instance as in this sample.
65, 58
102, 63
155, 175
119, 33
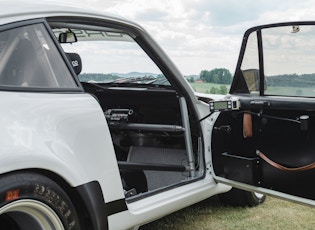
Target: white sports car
100, 130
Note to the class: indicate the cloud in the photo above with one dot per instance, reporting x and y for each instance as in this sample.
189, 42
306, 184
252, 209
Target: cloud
151, 15
204, 34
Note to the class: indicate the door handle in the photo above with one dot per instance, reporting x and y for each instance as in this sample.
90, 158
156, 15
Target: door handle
259, 104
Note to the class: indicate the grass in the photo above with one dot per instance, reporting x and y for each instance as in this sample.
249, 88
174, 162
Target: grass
211, 214
291, 91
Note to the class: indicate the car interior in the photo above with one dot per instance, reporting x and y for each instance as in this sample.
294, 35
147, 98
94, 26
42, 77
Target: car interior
156, 147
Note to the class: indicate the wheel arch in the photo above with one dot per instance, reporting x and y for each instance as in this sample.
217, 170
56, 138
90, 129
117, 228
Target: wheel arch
87, 198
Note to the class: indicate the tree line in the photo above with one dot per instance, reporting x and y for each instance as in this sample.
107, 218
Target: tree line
98, 77
217, 76
291, 80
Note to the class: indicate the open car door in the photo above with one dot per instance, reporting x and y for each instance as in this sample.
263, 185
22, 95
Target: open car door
263, 139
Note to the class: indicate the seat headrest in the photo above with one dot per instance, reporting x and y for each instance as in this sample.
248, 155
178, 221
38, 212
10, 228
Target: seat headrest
75, 61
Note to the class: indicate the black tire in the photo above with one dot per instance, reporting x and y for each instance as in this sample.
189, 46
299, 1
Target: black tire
238, 197
33, 201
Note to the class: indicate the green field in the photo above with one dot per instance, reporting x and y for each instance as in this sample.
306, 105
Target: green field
291, 91
206, 87
212, 215
281, 91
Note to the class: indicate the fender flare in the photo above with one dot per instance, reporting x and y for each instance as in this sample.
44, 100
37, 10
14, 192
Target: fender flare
97, 208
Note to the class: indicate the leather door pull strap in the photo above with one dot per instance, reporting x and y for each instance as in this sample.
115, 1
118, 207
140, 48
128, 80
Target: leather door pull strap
247, 125
283, 168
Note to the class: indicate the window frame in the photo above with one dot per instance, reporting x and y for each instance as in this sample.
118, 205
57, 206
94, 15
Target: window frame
239, 85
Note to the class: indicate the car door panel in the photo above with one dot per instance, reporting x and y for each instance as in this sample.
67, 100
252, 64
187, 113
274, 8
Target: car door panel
268, 143
279, 133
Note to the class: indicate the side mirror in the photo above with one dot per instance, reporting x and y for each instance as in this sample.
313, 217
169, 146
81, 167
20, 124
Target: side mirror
251, 77
67, 37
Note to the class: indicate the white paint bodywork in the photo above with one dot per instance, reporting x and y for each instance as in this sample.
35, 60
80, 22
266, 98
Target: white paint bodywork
67, 133
64, 133
148, 209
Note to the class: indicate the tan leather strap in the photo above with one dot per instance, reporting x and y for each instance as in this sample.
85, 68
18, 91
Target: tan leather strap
283, 168
247, 125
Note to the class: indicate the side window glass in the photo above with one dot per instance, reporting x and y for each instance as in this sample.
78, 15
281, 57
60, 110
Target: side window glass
289, 60
250, 64
113, 57
29, 58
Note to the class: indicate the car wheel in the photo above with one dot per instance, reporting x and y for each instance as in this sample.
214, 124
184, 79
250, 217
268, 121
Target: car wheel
33, 201
238, 197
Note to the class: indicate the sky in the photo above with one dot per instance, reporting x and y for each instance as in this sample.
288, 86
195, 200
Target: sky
203, 34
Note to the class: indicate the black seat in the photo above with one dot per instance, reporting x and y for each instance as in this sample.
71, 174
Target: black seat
75, 61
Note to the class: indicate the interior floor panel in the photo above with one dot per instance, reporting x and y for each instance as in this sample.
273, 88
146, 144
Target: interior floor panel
158, 179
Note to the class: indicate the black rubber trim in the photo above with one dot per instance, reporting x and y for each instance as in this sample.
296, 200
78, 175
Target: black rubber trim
93, 199
97, 209
276, 102
261, 63
116, 206
150, 166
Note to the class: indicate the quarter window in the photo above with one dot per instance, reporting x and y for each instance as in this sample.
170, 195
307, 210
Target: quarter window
29, 58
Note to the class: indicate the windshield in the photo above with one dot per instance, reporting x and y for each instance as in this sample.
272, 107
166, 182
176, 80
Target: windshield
113, 57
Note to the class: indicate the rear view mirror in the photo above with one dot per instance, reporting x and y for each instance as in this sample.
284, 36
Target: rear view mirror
67, 37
